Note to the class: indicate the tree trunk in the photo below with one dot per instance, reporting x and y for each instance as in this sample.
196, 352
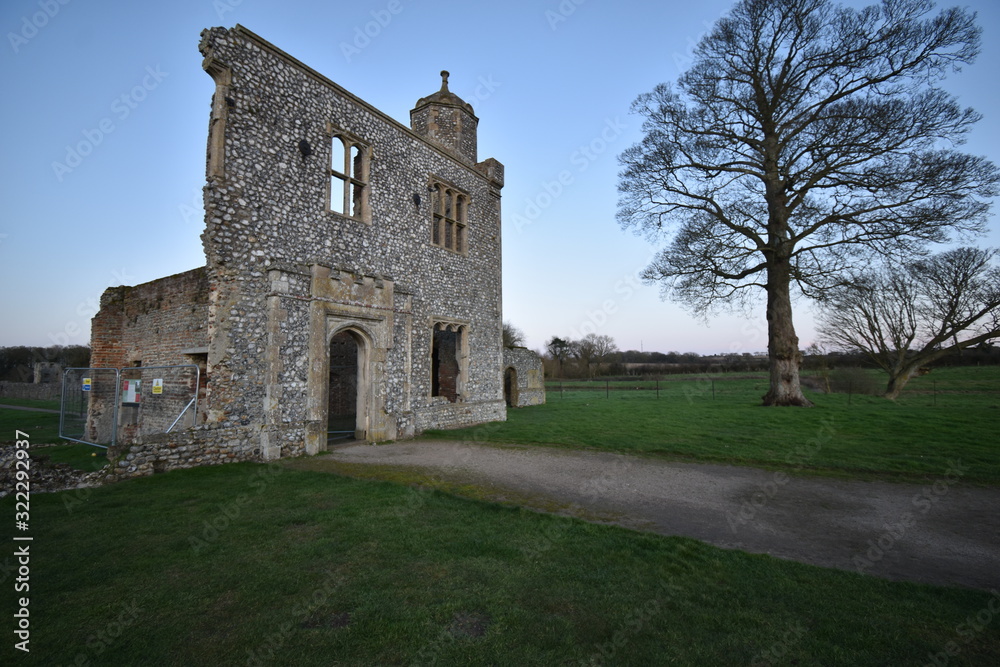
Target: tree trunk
782, 343
898, 380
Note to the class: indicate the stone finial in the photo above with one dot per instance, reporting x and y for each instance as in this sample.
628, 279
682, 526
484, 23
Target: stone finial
444, 81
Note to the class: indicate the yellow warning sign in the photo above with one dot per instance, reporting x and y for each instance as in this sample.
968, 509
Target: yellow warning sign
158, 386
86, 384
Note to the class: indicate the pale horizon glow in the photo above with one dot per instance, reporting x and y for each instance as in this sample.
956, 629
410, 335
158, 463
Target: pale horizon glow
107, 116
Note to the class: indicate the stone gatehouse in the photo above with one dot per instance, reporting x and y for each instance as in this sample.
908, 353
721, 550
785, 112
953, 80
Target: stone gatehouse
353, 275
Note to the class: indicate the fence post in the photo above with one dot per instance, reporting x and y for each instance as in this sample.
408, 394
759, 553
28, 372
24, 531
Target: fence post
607, 389
657, 387
713, 389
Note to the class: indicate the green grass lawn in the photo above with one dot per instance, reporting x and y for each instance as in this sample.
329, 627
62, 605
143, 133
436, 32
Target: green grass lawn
43, 427
79, 456
254, 564
951, 414
46, 403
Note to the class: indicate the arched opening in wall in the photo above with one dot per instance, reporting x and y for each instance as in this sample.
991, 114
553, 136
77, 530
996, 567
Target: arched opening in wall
343, 421
445, 365
510, 387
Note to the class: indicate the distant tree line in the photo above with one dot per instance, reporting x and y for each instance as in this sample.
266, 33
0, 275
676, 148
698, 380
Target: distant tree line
17, 364
562, 361
587, 357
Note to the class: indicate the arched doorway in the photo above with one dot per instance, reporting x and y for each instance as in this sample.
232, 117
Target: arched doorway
510, 387
344, 401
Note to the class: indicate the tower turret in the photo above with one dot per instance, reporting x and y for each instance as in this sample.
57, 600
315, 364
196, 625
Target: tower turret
448, 121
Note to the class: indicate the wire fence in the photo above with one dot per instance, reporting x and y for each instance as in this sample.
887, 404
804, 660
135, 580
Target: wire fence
854, 388
89, 412
714, 387
104, 406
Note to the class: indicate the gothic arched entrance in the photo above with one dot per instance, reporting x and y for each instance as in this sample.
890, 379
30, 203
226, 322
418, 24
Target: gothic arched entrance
345, 404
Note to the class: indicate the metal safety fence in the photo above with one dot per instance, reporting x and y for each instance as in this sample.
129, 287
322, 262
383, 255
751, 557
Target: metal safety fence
104, 406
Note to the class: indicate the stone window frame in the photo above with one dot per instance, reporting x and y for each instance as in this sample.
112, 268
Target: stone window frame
352, 178
461, 354
449, 216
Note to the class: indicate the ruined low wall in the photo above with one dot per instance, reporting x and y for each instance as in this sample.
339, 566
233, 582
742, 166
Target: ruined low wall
28, 390
198, 446
457, 415
530, 375
204, 445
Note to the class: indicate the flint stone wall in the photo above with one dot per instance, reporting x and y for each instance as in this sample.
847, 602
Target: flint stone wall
189, 448
285, 273
29, 390
530, 374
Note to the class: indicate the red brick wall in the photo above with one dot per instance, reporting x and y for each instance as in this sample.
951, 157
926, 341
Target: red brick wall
152, 322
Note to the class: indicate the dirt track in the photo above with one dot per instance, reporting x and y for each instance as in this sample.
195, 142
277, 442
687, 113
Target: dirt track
941, 533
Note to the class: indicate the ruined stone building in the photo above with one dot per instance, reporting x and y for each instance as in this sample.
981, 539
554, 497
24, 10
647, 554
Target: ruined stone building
353, 275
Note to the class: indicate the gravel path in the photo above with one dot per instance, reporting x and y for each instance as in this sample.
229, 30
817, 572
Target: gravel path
941, 533
26, 408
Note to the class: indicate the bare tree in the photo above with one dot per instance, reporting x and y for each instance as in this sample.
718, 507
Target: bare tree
585, 350
605, 347
904, 318
559, 350
806, 138
593, 350
512, 336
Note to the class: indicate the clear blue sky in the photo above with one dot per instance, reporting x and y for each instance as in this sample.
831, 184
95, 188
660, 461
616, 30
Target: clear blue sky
552, 91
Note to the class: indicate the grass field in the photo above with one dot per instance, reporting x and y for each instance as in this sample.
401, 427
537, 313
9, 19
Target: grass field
254, 564
950, 414
46, 403
42, 426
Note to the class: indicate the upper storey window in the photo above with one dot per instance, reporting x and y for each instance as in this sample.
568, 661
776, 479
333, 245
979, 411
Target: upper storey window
449, 218
349, 177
